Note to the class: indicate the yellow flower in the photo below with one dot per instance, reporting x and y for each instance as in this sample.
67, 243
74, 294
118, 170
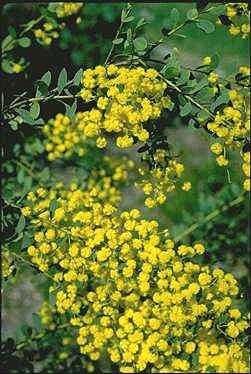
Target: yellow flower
17, 68
213, 77
26, 211
59, 214
246, 185
207, 60
234, 30
216, 148
222, 161
232, 330
190, 347
101, 142
186, 186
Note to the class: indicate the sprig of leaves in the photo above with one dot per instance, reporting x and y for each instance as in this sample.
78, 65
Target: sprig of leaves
28, 110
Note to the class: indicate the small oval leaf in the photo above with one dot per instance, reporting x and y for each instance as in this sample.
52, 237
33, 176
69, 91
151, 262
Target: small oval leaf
24, 42
206, 26
20, 224
192, 14
62, 80
140, 43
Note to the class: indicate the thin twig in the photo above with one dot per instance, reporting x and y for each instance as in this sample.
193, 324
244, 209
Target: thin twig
21, 258
116, 37
29, 171
44, 98
209, 217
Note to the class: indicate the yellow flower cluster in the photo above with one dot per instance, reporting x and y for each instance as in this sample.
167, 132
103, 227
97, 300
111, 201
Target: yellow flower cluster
67, 9
222, 357
207, 60
246, 170
46, 314
49, 30
231, 125
244, 72
7, 264
47, 33
158, 182
213, 78
128, 291
126, 99
65, 136
239, 14
49, 319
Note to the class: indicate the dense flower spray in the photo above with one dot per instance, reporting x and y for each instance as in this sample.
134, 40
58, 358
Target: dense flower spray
128, 290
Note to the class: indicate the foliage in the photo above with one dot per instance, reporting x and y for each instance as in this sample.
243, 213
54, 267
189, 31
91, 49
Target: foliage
47, 19
41, 349
220, 225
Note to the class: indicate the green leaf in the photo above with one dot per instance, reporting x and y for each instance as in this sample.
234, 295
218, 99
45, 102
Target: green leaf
13, 125
205, 95
186, 109
203, 116
36, 321
20, 224
35, 110
77, 77
129, 34
62, 80
45, 174
184, 77
46, 78
26, 330
27, 183
6, 66
141, 23
52, 7
37, 146
127, 19
24, 42
140, 43
222, 99
171, 72
27, 240
173, 18
214, 61
192, 14
118, 41
38, 121
26, 116
12, 32
128, 48
42, 88
7, 44
202, 83
171, 21
195, 359
71, 110
222, 319
205, 25
53, 206
181, 100
20, 176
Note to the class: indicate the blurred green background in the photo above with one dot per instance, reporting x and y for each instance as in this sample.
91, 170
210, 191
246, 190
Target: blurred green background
86, 44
